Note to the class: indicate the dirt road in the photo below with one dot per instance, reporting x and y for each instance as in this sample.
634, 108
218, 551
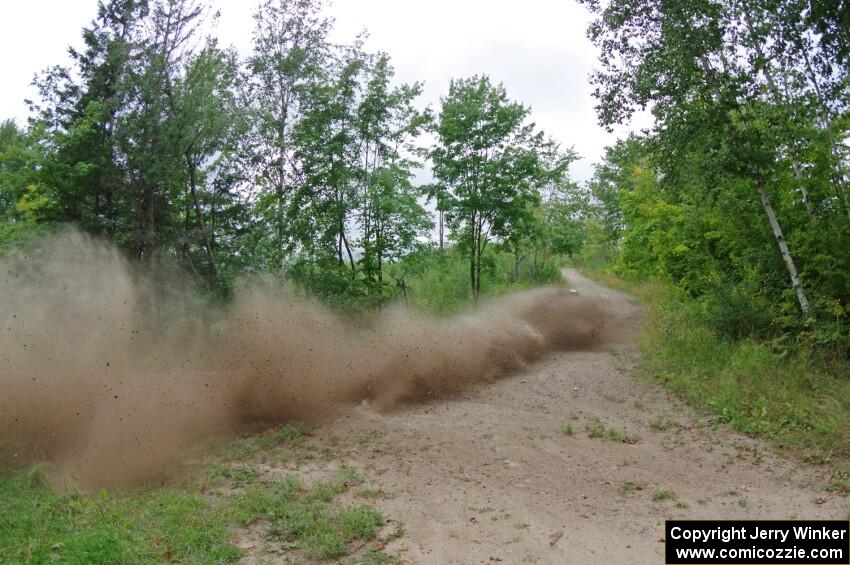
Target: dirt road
491, 476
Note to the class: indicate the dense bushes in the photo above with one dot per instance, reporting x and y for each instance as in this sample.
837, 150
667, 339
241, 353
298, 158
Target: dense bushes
717, 249
754, 385
738, 192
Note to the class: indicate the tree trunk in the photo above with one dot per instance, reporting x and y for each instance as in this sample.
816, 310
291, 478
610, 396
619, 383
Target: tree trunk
472, 271
341, 262
379, 248
796, 283
440, 213
280, 185
805, 193
777, 99
479, 251
206, 237
473, 256
347, 250
147, 227
783, 248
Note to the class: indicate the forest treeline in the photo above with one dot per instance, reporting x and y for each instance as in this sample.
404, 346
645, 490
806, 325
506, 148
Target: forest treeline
296, 160
299, 160
739, 195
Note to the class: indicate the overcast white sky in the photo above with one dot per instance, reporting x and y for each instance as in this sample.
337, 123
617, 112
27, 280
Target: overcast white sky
537, 48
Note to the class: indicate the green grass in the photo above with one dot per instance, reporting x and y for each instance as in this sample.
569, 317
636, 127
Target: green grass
839, 483
659, 495
38, 525
349, 477
176, 525
785, 398
661, 423
239, 475
567, 430
758, 388
598, 430
629, 486
307, 519
374, 556
595, 429
291, 434
439, 282
284, 441
369, 494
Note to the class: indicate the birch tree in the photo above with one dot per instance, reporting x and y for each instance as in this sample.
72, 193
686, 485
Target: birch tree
684, 55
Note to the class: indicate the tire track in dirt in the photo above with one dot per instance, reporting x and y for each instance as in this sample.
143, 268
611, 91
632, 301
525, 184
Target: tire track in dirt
489, 476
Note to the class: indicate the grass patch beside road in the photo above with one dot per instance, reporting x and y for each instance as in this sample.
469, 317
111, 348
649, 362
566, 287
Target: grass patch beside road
38, 525
757, 387
196, 522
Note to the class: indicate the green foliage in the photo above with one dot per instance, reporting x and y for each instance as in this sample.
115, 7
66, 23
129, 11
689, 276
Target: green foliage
437, 282
738, 196
737, 312
719, 253
332, 138
491, 166
756, 387
296, 162
335, 286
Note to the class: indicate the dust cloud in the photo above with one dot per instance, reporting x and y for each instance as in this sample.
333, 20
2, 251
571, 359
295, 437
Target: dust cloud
109, 373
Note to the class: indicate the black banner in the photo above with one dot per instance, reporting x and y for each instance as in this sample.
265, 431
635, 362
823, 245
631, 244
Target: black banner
757, 542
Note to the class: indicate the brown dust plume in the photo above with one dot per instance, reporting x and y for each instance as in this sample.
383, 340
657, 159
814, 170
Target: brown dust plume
109, 373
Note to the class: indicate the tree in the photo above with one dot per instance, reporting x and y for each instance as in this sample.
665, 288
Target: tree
138, 137
609, 177
289, 58
209, 123
492, 165
699, 63
27, 204
390, 217
297, 161
79, 114
111, 125
741, 188
566, 209
12, 167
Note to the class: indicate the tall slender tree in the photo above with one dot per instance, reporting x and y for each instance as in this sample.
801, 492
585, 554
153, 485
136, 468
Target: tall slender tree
492, 163
290, 53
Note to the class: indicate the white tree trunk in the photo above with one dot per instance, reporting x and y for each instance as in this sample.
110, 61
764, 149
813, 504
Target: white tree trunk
798, 173
783, 248
796, 283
